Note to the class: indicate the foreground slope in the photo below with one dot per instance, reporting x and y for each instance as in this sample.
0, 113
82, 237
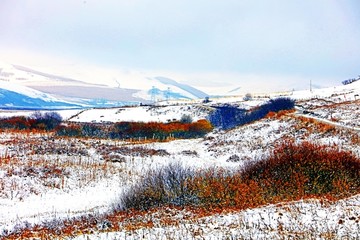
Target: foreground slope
47, 180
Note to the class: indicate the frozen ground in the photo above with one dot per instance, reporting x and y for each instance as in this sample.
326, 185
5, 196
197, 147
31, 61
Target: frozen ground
310, 219
43, 177
95, 172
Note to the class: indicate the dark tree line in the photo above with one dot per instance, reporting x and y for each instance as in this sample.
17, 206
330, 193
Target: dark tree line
227, 116
351, 80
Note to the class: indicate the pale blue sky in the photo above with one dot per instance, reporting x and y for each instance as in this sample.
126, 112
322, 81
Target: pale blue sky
304, 39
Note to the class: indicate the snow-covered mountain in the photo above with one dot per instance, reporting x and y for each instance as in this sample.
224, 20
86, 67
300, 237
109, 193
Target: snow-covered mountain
162, 88
78, 88
14, 96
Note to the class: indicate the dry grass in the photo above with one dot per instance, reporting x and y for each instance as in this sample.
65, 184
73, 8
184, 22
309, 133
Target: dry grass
216, 191
47, 163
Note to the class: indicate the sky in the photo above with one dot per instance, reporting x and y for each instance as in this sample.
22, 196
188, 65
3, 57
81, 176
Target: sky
205, 43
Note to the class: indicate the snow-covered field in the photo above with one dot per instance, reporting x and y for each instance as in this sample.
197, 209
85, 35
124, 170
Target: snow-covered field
142, 114
310, 219
45, 178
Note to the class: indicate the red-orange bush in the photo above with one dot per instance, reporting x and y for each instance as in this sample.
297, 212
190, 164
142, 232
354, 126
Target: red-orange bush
128, 130
299, 170
279, 114
293, 171
15, 123
47, 121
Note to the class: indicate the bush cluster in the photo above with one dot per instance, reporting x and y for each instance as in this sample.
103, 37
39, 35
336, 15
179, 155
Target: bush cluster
37, 121
291, 172
228, 116
134, 130
166, 185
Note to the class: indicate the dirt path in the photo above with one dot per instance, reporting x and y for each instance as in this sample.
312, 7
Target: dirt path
340, 125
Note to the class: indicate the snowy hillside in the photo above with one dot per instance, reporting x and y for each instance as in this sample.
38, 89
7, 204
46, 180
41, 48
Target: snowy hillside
115, 88
75, 181
341, 92
174, 109
67, 187
14, 96
142, 114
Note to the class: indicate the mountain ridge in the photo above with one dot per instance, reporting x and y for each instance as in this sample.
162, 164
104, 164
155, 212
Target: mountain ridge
80, 92
69, 87
13, 96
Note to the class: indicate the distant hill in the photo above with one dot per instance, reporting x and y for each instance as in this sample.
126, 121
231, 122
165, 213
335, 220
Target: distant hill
14, 96
143, 89
188, 89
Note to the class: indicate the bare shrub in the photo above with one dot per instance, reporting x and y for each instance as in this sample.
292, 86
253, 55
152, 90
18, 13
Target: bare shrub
233, 158
291, 172
163, 186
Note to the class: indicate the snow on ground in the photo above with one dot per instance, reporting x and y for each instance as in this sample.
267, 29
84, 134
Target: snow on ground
11, 113
142, 114
86, 182
59, 205
38, 184
339, 93
345, 114
65, 114
95, 172
82, 193
310, 219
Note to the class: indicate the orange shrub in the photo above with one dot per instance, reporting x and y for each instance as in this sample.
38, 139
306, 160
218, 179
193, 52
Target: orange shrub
140, 130
270, 115
306, 169
292, 172
201, 127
